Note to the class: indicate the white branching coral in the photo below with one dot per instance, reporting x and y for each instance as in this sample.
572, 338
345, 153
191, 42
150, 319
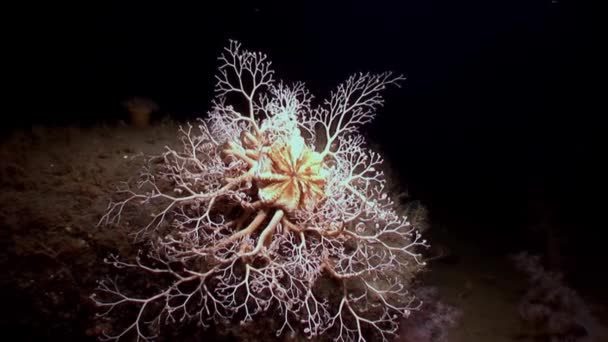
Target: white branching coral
273, 208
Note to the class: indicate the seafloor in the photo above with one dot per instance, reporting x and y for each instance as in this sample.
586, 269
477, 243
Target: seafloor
56, 183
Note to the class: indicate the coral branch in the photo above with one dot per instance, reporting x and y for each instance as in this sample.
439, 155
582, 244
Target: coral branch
277, 212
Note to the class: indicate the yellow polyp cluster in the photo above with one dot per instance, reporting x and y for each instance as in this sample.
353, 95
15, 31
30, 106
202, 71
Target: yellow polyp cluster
291, 175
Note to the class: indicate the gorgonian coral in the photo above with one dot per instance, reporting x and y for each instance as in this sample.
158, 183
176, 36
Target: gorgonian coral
273, 207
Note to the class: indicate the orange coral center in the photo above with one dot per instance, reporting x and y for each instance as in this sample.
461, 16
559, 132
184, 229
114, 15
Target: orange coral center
291, 175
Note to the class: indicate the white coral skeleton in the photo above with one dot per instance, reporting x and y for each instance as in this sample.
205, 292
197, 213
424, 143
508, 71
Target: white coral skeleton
274, 208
